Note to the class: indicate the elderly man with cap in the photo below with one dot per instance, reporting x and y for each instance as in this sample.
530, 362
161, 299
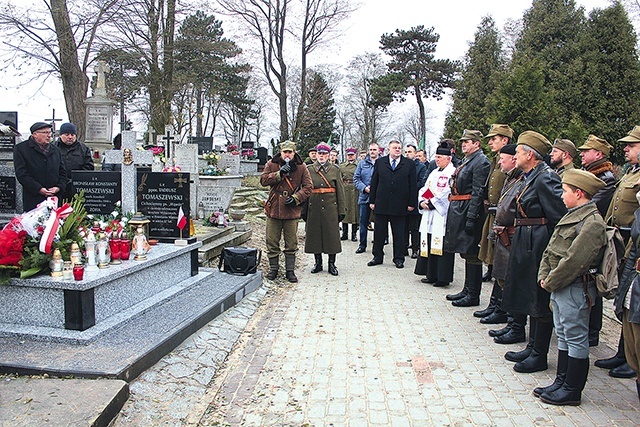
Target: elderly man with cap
502, 235
621, 214
348, 170
594, 153
499, 136
567, 270
562, 155
539, 207
39, 166
433, 202
290, 183
454, 160
312, 153
324, 210
77, 156
466, 217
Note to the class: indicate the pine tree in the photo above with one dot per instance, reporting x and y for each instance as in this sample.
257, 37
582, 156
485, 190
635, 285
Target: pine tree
319, 114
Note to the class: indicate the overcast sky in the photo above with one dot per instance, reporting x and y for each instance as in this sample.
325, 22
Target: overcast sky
455, 20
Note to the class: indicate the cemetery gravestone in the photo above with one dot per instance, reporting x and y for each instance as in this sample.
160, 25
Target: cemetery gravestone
10, 191
205, 143
262, 153
9, 118
186, 158
101, 190
230, 163
160, 197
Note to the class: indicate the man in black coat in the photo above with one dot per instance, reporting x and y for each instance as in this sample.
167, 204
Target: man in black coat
539, 207
39, 167
77, 156
466, 216
393, 194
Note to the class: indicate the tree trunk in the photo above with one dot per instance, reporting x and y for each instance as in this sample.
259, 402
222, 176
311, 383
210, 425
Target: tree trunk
74, 80
423, 118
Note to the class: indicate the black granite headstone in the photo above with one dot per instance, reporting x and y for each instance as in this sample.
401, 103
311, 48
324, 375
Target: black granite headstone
8, 194
160, 196
262, 155
101, 190
247, 145
9, 118
205, 143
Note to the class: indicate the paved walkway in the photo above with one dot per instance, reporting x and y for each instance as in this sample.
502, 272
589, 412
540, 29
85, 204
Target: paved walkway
370, 347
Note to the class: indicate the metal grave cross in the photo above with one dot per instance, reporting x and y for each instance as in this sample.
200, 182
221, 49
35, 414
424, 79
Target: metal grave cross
180, 180
167, 140
129, 157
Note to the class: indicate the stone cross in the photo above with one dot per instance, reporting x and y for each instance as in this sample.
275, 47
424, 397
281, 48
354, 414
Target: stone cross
167, 140
130, 157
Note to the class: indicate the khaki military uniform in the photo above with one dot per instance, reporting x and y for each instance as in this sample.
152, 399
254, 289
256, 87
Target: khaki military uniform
494, 186
351, 193
565, 168
624, 203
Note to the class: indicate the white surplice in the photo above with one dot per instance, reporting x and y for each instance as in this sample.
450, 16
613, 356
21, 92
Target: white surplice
434, 221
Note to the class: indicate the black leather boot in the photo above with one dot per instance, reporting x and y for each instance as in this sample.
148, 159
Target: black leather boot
622, 371
497, 332
498, 316
273, 268
617, 359
318, 267
333, 270
354, 232
638, 389
537, 360
516, 334
487, 275
561, 373
459, 295
570, 393
496, 293
290, 266
345, 231
595, 322
474, 287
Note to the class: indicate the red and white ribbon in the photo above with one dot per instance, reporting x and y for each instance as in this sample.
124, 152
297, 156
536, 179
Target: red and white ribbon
51, 226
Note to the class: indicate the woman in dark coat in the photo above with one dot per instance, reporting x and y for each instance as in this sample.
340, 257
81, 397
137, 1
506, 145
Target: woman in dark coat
324, 210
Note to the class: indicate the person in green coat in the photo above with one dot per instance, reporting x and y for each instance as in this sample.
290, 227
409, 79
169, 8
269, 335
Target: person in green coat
351, 194
324, 210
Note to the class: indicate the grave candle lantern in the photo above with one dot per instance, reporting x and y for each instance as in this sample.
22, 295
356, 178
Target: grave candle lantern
90, 252
114, 246
104, 253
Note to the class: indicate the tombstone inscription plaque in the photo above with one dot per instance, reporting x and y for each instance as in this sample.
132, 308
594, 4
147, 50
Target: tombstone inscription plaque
102, 190
160, 197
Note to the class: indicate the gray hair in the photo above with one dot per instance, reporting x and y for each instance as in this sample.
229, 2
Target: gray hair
536, 155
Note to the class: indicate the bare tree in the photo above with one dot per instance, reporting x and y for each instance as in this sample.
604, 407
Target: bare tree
56, 41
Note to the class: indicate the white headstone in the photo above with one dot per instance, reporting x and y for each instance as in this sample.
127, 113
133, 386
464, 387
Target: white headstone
230, 163
130, 157
186, 158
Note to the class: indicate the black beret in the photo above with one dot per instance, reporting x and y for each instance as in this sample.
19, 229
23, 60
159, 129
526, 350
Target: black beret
509, 149
39, 125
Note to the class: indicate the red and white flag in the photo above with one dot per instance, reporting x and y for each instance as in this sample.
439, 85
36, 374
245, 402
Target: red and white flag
182, 220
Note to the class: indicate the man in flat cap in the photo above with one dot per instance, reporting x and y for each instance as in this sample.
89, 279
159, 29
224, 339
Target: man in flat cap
312, 153
567, 270
562, 155
621, 214
39, 166
539, 207
594, 154
466, 215
499, 136
348, 169
290, 183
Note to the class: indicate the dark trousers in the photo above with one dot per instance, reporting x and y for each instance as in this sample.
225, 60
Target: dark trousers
440, 267
412, 232
365, 211
380, 234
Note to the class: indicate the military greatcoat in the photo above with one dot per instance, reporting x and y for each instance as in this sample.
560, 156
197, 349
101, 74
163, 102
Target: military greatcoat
322, 210
468, 179
351, 194
493, 188
539, 201
624, 203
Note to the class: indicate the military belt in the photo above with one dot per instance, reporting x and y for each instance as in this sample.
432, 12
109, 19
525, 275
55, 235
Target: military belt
457, 197
530, 221
323, 190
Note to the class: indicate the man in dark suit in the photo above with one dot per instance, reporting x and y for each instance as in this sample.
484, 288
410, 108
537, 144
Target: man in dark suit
393, 195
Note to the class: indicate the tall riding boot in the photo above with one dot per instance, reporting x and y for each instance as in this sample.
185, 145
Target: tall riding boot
354, 232
537, 360
290, 266
474, 287
638, 388
273, 268
571, 391
595, 322
516, 334
519, 356
333, 270
496, 293
487, 275
561, 373
617, 360
345, 231
498, 316
465, 289
318, 267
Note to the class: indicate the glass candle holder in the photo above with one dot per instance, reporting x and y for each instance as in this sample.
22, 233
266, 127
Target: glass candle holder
78, 272
125, 249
